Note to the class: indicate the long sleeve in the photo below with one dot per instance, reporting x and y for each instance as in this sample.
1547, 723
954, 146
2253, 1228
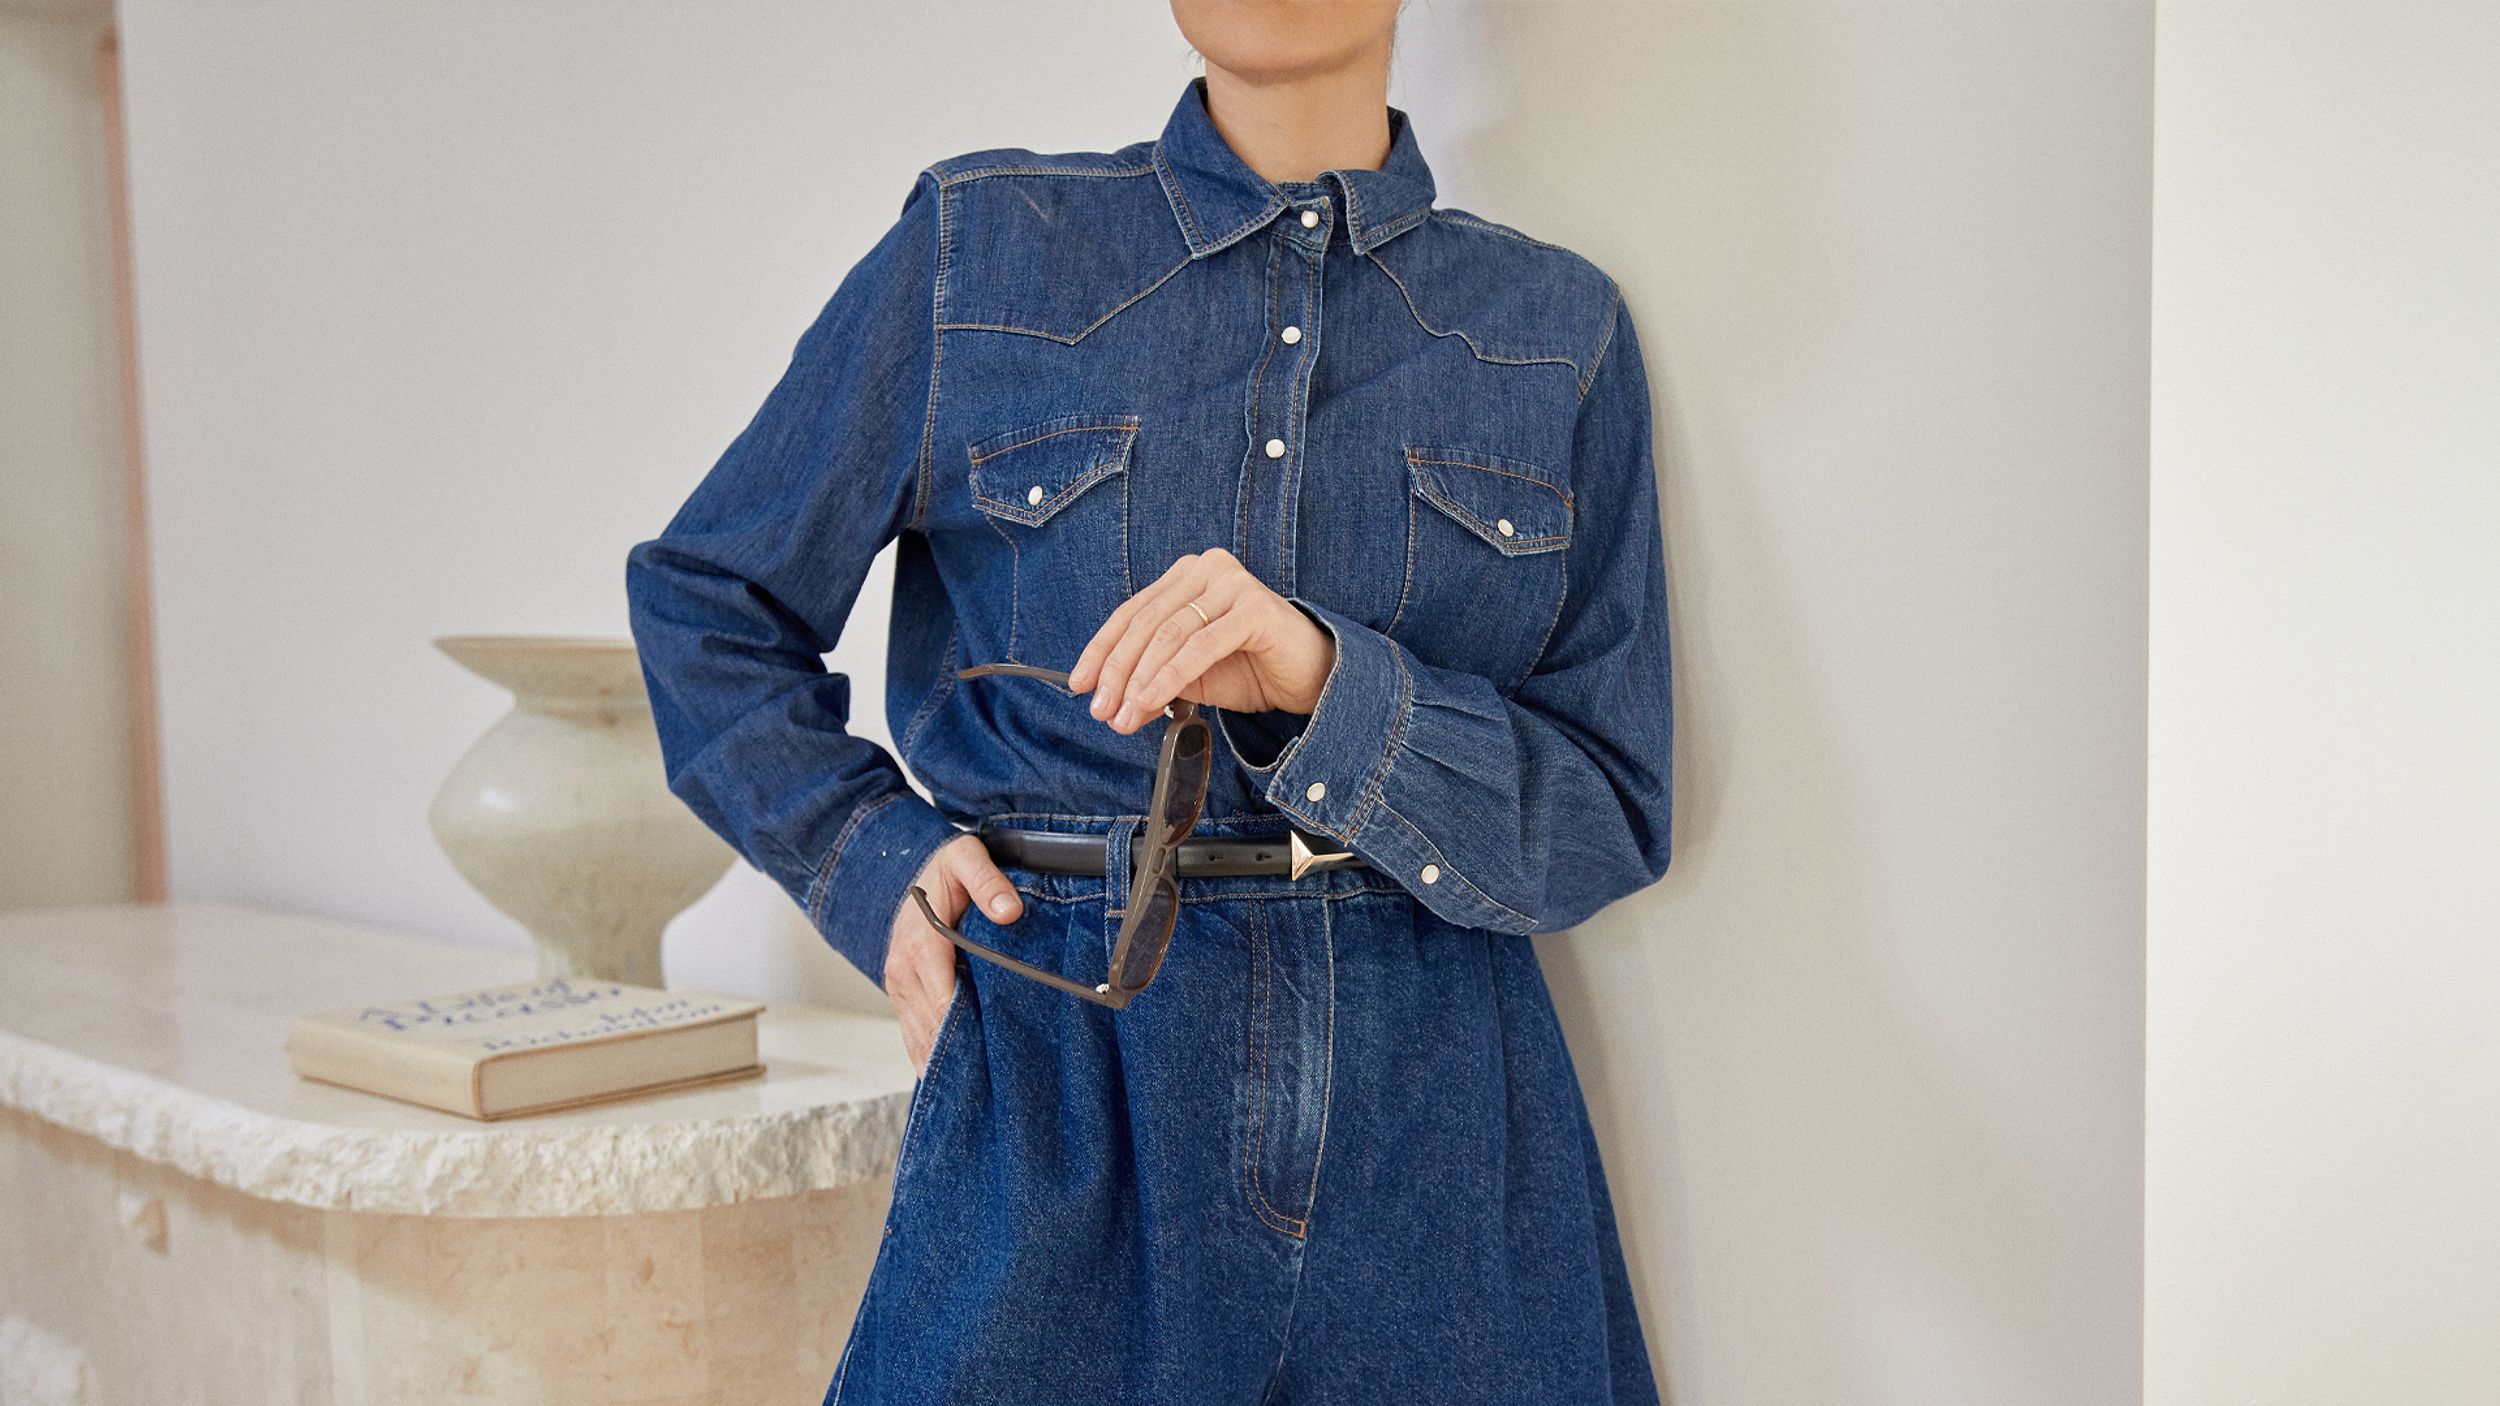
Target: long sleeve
737, 599
1525, 813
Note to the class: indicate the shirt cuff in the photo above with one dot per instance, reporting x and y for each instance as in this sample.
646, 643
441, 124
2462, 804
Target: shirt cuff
861, 884
1329, 775
1334, 775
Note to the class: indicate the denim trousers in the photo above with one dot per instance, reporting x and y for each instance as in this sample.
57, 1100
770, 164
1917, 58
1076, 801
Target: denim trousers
1335, 1153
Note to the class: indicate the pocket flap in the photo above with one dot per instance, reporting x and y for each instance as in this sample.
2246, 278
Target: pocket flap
1515, 506
1030, 473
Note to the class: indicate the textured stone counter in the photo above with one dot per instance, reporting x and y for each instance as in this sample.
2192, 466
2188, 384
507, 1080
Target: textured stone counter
182, 1217
161, 1031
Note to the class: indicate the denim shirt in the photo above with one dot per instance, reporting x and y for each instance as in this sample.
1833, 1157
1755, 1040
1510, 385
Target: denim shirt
1057, 374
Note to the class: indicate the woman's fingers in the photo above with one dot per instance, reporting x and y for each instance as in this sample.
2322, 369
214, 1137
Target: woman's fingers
920, 964
1086, 673
1167, 667
1146, 612
1179, 625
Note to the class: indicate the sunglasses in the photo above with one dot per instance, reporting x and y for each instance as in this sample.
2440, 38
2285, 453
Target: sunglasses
1154, 895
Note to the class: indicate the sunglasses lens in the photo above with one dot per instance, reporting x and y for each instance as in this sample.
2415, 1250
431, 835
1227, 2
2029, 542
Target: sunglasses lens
1153, 934
1193, 756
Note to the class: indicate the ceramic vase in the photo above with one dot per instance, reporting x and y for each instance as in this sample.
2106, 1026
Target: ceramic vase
561, 813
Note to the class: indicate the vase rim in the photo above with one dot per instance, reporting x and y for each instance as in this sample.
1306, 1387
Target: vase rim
545, 669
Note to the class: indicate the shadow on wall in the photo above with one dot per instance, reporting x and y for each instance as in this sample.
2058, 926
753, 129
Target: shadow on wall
1818, 1200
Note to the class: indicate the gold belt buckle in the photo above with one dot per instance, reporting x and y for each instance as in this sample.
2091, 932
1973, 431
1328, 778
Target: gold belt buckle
1306, 859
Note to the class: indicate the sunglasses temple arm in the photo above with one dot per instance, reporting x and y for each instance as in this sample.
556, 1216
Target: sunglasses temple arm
1115, 999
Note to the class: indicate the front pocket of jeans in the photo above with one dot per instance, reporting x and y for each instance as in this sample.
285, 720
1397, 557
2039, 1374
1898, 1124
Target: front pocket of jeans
926, 1089
1488, 539
1056, 492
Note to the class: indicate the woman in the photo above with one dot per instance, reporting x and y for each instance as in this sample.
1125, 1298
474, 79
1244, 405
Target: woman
1237, 418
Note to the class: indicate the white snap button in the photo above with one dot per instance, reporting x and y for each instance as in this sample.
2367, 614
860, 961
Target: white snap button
1315, 790
1276, 449
1033, 495
1310, 219
1432, 874
1291, 335
1503, 527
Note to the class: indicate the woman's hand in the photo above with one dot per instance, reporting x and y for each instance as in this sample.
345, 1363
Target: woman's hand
1253, 651
919, 961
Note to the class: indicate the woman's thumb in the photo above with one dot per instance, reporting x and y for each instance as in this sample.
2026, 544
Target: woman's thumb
989, 889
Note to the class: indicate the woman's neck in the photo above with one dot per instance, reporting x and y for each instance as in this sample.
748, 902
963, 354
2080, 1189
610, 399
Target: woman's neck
1291, 129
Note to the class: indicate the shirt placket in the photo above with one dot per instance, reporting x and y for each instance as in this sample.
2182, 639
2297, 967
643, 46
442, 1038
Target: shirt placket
1279, 395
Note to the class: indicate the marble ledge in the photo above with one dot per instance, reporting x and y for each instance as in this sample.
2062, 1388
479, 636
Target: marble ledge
159, 1030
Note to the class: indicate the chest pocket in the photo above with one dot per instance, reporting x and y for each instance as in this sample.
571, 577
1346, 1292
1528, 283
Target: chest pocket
1056, 491
1485, 562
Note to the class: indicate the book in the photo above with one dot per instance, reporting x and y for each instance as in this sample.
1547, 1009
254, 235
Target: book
530, 1046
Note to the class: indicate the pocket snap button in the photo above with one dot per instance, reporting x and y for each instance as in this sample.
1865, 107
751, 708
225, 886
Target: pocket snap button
1503, 527
1033, 495
1431, 874
1315, 790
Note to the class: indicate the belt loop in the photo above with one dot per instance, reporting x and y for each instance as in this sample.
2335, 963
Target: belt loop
1116, 861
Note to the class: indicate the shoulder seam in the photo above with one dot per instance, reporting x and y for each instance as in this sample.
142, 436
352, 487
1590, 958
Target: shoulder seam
1505, 231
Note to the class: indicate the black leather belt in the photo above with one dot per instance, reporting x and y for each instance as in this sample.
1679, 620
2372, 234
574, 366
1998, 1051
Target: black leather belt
1292, 854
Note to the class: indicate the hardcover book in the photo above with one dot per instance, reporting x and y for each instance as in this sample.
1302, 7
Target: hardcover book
531, 1046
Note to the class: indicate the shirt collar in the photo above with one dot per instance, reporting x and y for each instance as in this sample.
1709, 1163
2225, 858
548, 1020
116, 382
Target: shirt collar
1218, 199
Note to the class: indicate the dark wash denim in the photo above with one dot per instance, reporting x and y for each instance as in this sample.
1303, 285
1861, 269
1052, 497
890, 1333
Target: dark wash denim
1337, 1152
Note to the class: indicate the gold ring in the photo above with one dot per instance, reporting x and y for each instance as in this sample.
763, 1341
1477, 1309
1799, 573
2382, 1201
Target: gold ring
1202, 615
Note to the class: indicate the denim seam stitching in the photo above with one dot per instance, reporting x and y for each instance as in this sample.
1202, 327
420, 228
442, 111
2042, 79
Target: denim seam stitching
1293, 749
982, 173
1071, 339
1179, 202
1298, 401
979, 458
1328, 1072
924, 1089
1511, 547
1450, 871
1373, 795
1478, 352
1415, 455
1015, 582
1563, 565
1119, 819
1406, 586
937, 356
1269, 211
1474, 222
1127, 585
1263, 985
1258, 385
1042, 512
937, 695
1614, 315
820, 888
1394, 228
1353, 208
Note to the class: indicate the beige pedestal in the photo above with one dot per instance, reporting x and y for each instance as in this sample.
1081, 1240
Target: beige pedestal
183, 1221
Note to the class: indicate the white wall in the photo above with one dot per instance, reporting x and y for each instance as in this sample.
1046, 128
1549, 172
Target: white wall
445, 304
1870, 1057
65, 811
2323, 1159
